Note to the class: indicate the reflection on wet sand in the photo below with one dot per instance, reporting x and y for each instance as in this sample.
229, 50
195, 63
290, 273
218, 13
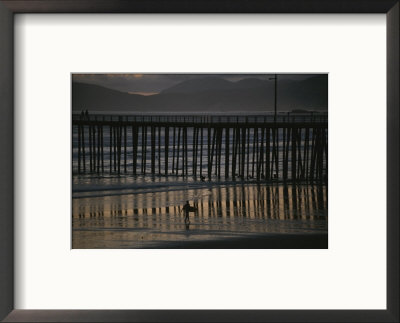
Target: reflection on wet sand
154, 219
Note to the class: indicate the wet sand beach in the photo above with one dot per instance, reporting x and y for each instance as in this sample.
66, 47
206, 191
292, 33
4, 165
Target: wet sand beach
229, 216
270, 241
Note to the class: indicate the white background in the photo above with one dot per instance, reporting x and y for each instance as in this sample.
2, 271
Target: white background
351, 274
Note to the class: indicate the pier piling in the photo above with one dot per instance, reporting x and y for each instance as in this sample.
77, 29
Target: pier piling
241, 147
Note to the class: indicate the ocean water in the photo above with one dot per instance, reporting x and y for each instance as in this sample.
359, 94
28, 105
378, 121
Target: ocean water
251, 153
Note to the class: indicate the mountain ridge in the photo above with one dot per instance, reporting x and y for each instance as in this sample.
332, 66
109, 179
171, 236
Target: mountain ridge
208, 94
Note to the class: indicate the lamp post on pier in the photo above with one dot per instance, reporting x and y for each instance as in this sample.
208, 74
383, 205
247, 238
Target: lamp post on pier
276, 94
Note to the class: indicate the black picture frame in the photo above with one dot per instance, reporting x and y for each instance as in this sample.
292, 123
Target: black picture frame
8, 8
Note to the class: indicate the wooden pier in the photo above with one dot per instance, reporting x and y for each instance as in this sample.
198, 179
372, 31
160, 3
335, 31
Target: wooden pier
288, 148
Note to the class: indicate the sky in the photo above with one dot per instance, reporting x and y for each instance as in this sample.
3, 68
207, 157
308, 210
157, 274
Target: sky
148, 84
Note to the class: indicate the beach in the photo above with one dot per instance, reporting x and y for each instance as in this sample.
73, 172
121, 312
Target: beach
143, 213
252, 183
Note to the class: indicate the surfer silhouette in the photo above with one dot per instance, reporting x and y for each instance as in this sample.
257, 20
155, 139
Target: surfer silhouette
187, 208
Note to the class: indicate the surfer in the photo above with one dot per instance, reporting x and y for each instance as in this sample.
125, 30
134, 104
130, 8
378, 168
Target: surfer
187, 209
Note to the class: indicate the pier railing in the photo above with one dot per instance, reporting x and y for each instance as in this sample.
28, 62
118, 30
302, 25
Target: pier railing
313, 117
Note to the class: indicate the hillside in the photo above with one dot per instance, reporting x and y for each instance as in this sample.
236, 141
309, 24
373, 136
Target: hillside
208, 94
